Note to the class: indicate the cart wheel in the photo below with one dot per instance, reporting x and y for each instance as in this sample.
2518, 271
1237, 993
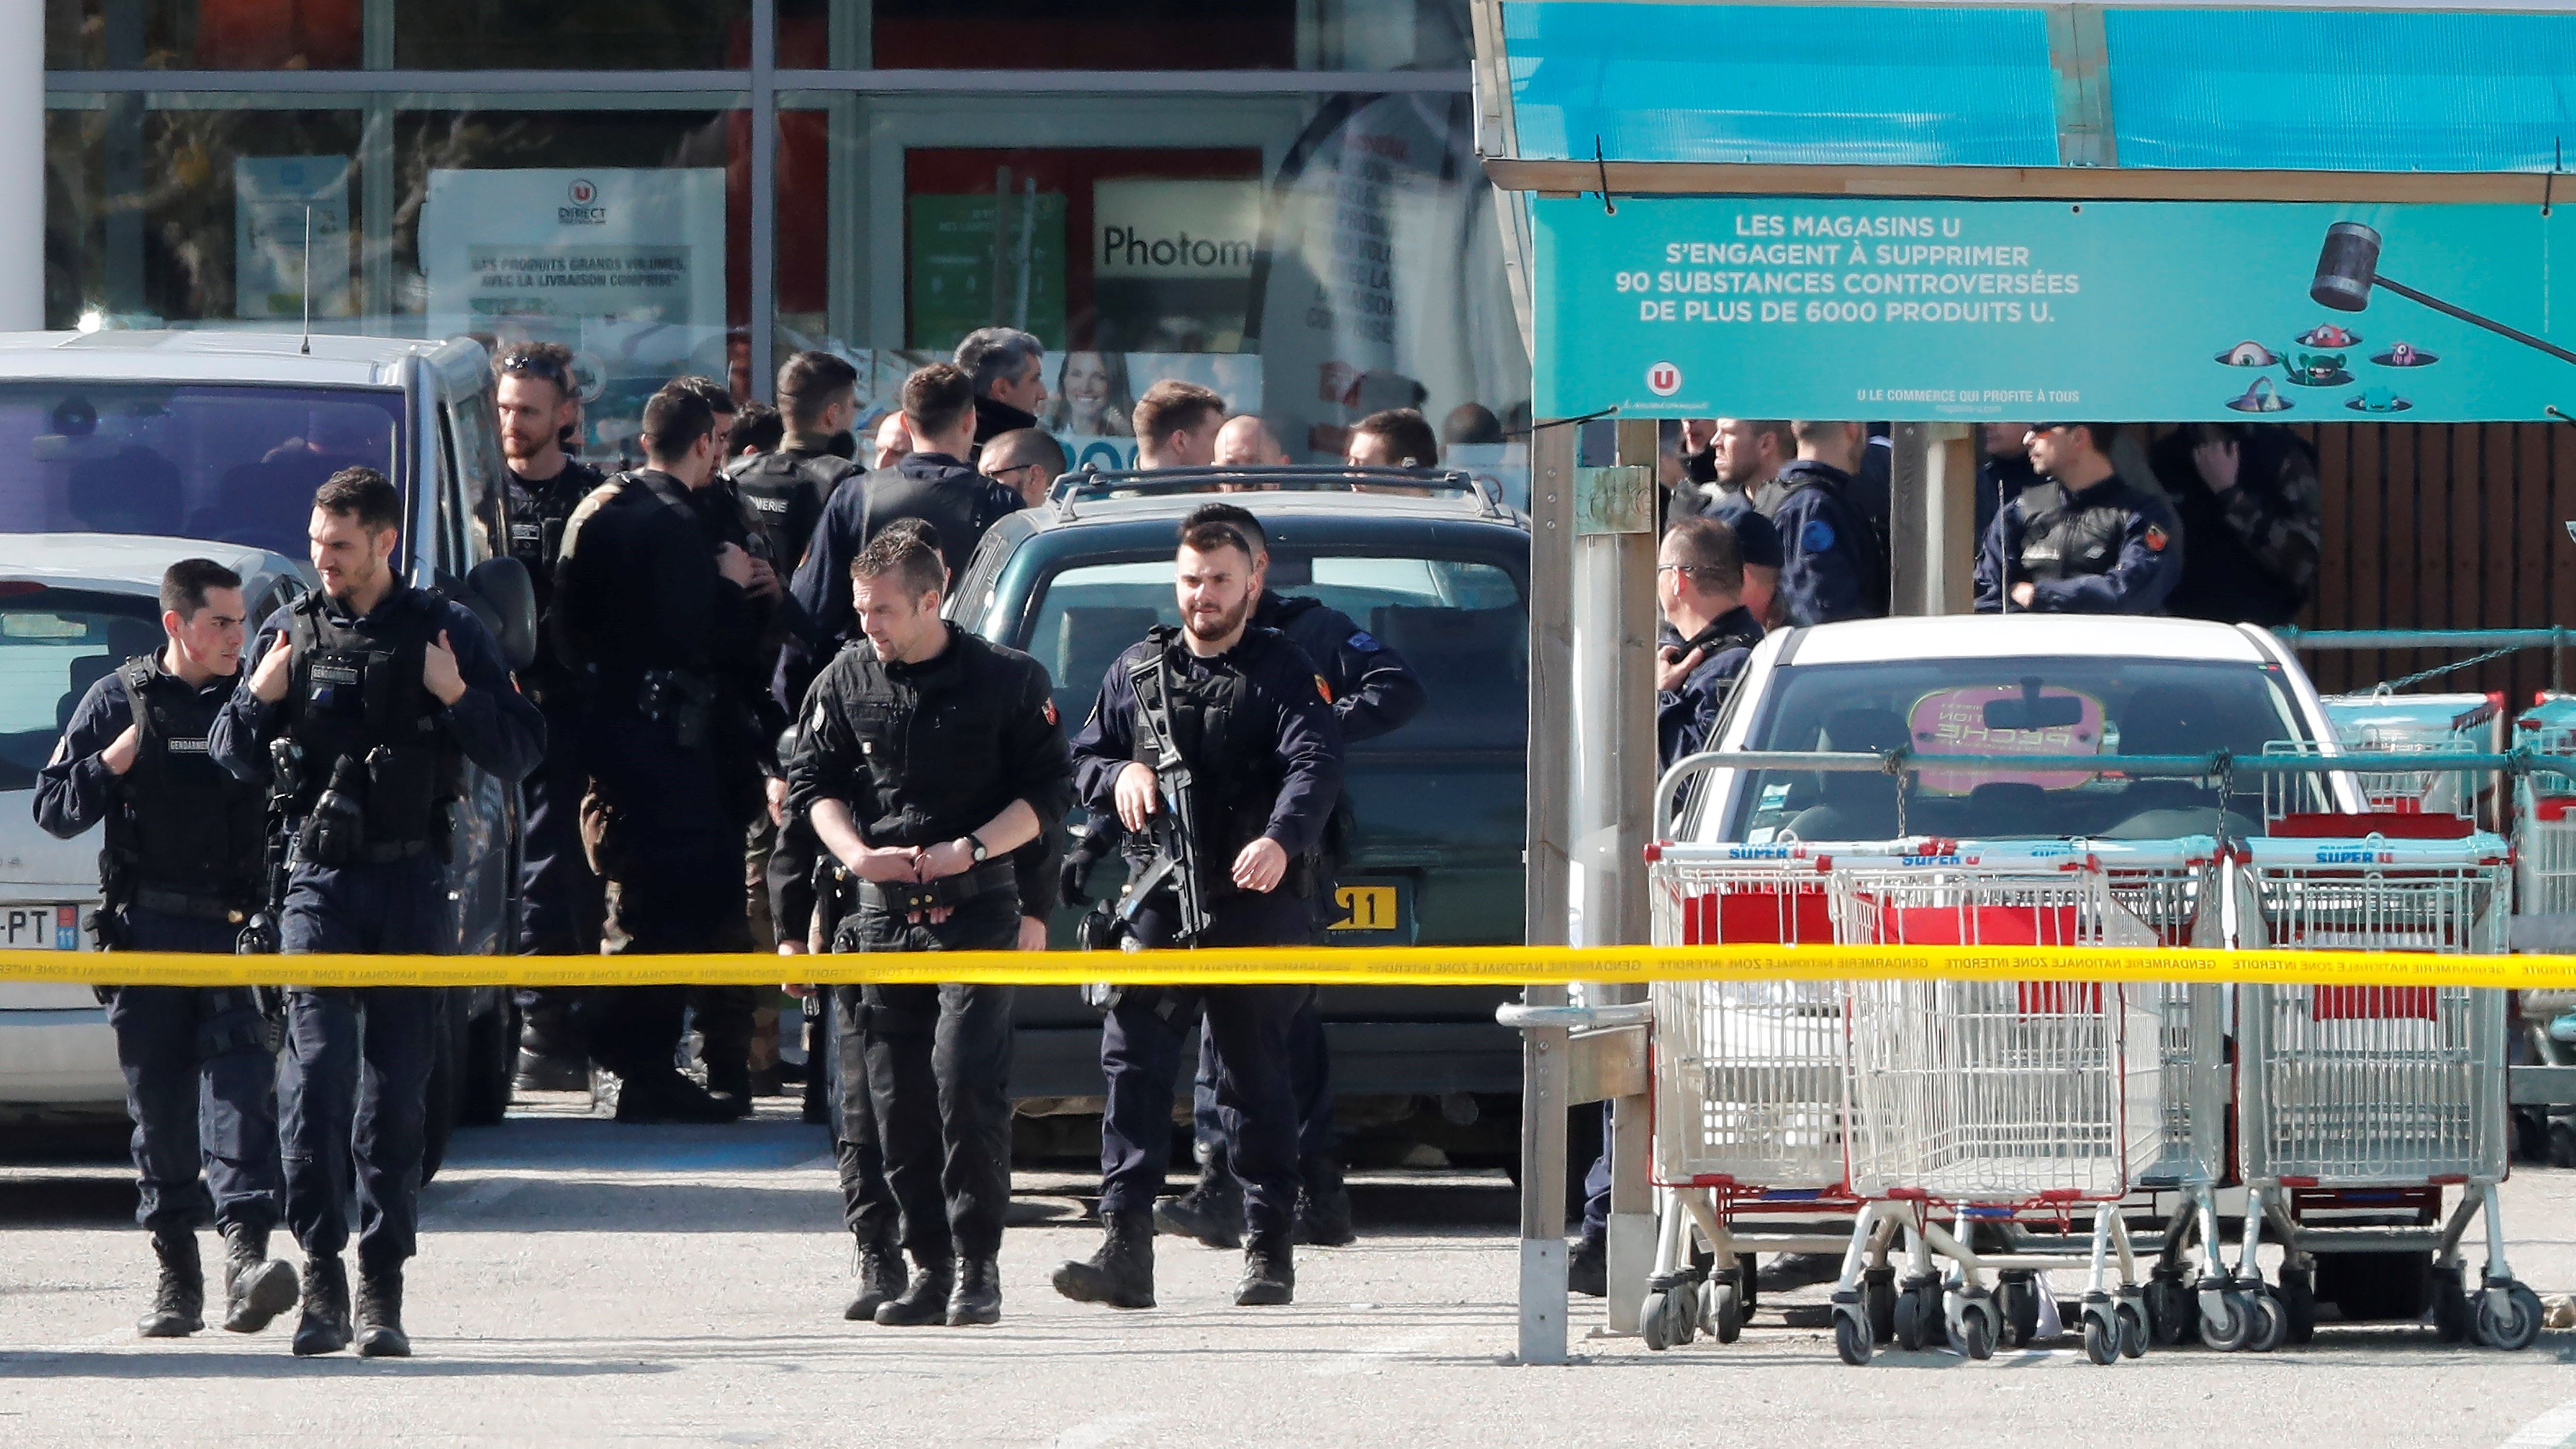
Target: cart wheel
1725, 1315
1977, 1329
2169, 1310
1851, 1338
1650, 1322
1878, 1291
2298, 1302
2225, 1326
2271, 1322
2516, 1326
1681, 1313
2020, 1297
2452, 1320
1744, 1275
2133, 1329
1907, 1320
2101, 1337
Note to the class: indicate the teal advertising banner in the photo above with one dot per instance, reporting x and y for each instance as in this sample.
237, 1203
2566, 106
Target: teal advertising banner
1933, 311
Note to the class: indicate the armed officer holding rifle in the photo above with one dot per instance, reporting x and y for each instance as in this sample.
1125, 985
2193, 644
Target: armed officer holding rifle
1216, 745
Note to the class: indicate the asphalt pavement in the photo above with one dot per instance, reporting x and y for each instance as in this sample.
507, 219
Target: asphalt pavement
583, 1282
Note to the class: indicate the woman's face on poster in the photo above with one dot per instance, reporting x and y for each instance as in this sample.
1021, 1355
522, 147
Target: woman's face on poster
1086, 379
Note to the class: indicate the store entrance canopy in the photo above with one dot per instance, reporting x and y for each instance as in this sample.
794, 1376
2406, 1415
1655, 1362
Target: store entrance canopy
2006, 211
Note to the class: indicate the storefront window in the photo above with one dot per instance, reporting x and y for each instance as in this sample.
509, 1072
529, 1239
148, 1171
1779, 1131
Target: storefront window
418, 34
1136, 35
204, 34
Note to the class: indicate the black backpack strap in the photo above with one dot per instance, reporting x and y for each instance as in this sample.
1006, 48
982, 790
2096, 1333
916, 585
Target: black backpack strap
136, 675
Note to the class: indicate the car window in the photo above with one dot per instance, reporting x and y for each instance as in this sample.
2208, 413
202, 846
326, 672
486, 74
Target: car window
228, 463
2104, 707
53, 647
1462, 624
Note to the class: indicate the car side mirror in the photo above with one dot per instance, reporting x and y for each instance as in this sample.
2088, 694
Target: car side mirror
500, 594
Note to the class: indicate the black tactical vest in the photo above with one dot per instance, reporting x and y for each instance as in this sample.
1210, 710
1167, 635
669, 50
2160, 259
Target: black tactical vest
537, 515
358, 696
1234, 761
2069, 536
782, 500
184, 823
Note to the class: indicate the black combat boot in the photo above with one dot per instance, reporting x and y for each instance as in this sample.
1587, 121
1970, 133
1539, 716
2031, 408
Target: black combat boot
257, 1287
380, 1330
1587, 1268
1269, 1272
978, 1298
1323, 1204
880, 1278
551, 1055
179, 1300
1211, 1212
325, 1325
925, 1299
1121, 1274
659, 1093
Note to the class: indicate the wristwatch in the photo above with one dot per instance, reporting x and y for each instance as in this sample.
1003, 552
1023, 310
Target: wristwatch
975, 847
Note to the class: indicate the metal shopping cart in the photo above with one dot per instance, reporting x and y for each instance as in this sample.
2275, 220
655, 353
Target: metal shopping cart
2371, 1097
1996, 1100
2398, 725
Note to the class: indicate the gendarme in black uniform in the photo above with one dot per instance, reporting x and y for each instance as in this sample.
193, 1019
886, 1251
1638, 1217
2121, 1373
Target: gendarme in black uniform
920, 754
182, 870
2112, 548
1265, 754
783, 494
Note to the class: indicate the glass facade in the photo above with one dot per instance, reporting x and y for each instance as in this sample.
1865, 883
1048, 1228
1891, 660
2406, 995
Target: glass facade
1279, 199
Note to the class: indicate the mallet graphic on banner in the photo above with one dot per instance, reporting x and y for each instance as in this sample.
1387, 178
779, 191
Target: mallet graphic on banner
2349, 267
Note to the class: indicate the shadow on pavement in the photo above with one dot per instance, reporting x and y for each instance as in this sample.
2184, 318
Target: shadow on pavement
278, 1364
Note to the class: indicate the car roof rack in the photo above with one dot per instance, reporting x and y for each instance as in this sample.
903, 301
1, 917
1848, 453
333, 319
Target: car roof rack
1092, 482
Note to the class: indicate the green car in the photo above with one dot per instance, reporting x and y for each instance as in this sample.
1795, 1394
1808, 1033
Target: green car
1440, 572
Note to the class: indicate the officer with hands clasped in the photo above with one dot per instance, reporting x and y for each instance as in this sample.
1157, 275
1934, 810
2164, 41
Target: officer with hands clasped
2086, 541
928, 758
181, 872
1218, 750
369, 696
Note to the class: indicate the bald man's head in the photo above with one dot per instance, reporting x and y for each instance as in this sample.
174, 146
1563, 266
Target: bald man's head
1025, 460
1247, 442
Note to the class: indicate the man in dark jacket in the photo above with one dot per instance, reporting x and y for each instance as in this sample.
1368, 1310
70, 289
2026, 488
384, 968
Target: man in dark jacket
2251, 509
1008, 370
1834, 564
2086, 542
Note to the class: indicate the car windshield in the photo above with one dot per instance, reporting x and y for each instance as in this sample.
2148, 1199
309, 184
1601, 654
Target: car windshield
215, 461
53, 647
1460, 623
2042, 706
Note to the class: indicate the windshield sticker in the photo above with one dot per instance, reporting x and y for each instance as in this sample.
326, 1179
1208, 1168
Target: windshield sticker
2004, 719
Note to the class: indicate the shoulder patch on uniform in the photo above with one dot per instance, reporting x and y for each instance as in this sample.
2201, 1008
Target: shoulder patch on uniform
1363, 642
1324, 690
2155, 538
1817, 536
1047, 707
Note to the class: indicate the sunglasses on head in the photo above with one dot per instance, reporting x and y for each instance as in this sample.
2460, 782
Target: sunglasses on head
545, 367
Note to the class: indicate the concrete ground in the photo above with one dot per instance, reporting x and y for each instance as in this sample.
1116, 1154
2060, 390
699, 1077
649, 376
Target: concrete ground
589, 1283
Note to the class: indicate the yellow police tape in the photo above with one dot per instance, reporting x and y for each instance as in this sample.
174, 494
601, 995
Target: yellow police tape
1328, 966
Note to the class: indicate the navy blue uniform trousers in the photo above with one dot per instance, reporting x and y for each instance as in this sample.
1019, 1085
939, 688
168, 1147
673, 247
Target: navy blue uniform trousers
201, 1086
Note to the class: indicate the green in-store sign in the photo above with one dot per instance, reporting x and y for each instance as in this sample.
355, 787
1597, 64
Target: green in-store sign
953, 243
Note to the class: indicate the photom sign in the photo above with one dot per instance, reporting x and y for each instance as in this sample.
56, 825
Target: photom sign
1172, 262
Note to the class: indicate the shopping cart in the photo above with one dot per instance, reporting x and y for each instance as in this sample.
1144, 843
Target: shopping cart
2544, 907
2398, 725
1996, 1100
2375, 1097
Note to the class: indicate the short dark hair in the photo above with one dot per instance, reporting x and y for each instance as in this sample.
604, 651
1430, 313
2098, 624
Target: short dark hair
997, 354
1711, 552
759, 427
361, 493
910, 555
674, 420
184, 585
808, 382
2102, 434
1471, 425
1209, 537
1233, 516
1039, 444
1173, 406
935, 399
1407, 431
719, 397
549, 360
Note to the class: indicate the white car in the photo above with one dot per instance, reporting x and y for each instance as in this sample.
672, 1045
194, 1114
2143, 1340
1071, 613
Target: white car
73, 607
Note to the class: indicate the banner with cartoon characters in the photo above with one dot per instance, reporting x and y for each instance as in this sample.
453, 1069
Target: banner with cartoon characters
1932, 311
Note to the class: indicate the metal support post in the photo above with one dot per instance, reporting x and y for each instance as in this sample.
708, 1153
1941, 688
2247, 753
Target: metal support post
1543, 1055
1932, 519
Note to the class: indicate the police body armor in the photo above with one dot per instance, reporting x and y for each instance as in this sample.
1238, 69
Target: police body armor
378, 773
187, 837
2065, 536
782, 500
1234, 766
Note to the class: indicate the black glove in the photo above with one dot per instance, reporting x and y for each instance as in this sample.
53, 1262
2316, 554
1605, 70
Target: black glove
1071, 876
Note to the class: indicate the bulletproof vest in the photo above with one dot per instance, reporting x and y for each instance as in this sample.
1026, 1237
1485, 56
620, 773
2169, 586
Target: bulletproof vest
2071, 536
185, 823
946, 503
782, 500
1234, 763
358, 696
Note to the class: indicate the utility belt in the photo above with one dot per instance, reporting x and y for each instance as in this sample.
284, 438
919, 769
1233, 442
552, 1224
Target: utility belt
194, 905
366, 853
905, 898
685, 698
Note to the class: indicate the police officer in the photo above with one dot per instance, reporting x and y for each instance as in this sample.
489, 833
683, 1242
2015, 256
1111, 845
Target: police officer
378, 693
1833, 562
536, 404
1374, 692
784, 489
182, 872
666, 618
2085, 542
928, 758
1243, 710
